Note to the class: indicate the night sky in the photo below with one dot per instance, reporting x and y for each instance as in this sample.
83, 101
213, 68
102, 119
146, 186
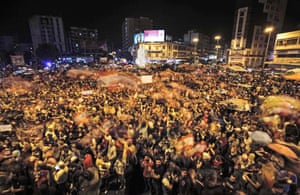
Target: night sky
176, 17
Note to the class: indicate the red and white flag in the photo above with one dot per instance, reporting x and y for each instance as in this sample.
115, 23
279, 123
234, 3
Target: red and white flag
184, 143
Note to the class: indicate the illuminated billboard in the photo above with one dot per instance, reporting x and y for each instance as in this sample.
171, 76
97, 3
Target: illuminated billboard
154, 35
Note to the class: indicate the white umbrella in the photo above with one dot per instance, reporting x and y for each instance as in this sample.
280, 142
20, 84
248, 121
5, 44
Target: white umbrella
261, 137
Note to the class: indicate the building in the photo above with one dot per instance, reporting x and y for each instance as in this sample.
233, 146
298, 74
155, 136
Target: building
132, 26
250, 46
286, 51
167, 52
47, 29
190, 36
84, 41
202, 43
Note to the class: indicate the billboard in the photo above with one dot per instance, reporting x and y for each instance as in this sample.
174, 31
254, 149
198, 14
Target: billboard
154, 35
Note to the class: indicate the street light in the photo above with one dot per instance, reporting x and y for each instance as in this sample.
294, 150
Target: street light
195, 41
218, 46
268, 30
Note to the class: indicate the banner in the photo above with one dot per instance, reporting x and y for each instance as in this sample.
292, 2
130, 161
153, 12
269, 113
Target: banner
87, 92
146, 79
4, 128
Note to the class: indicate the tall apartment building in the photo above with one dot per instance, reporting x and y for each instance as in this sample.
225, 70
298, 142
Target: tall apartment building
132, 26
83, 41
202, 43
47, 29
249, 42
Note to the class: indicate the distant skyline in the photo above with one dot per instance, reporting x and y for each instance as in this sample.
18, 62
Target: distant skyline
176, 17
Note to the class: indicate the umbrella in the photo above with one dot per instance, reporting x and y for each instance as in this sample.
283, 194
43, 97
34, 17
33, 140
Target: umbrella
281, 104
115, 79
292, 74
261, 137
79, 73
283, 150
236, 104
17, 85
293, 146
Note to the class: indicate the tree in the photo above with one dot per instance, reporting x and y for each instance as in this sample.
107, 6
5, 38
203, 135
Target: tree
47, 51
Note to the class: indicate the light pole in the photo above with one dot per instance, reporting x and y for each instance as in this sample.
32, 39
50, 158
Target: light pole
268, 30
195, 41
218, 46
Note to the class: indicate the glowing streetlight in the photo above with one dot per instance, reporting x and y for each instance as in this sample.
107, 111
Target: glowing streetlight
218, 46
217, 38
269, 31
195, 41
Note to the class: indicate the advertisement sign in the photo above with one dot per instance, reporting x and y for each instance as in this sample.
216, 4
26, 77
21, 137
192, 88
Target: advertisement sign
154, 35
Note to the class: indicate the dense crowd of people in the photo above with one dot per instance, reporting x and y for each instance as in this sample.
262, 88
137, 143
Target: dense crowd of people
171, 136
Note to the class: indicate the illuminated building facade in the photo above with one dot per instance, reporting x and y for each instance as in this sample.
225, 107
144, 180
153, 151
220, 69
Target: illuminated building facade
286, 50
163, 52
